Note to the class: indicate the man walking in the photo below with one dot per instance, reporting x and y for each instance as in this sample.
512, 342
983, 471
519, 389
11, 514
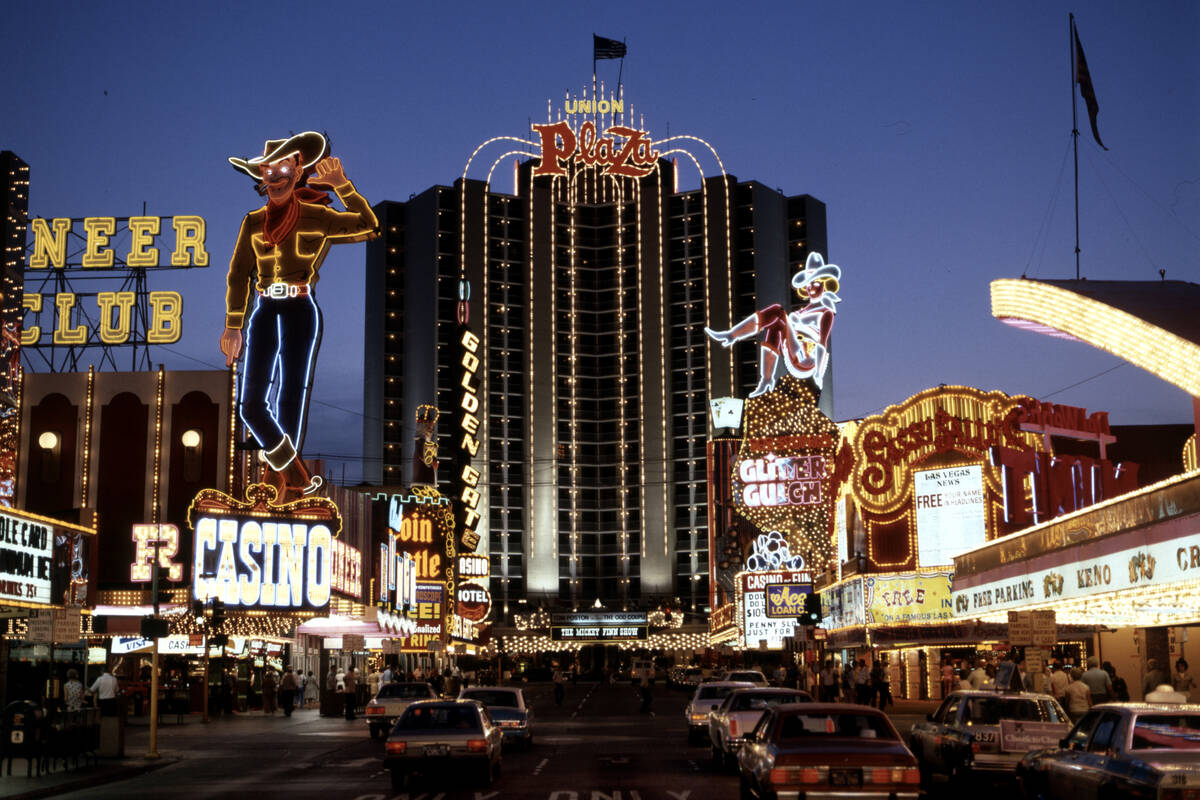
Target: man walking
349, 681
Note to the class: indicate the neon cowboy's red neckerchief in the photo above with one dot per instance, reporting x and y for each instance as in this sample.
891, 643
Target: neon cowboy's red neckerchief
281, 218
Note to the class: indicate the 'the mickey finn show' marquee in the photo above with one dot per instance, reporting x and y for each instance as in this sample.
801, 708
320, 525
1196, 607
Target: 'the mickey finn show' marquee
258, 555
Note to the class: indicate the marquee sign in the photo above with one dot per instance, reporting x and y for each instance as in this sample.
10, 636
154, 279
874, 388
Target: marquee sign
618, 150
149, 538
255, 555
26, 559
786, 600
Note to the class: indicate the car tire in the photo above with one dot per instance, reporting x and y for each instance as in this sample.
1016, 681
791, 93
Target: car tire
399, 779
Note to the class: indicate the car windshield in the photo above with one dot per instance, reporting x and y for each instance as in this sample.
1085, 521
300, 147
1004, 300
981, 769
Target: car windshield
752, 701
420, 718
839, 725
715, 692
990, 710
1166, 731
405, 690
493, 697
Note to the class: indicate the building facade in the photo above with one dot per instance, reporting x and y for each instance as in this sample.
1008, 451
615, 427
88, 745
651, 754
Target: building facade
589, 288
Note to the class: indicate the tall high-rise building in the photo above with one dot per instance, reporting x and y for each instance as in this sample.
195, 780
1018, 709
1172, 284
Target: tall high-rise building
13, 227
588, 286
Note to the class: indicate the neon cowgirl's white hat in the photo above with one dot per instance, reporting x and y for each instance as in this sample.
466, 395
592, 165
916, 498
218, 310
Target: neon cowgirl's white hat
310, 147
816, 269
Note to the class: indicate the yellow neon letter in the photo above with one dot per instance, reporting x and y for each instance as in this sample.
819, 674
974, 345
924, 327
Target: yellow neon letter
166, 311
142, 231
49, 248
31, 333
63, 332
115, 332
189, 235
98, 230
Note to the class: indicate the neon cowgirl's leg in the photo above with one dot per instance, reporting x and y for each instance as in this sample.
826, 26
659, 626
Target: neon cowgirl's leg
745, 328
262, 345
300, 338
767, 360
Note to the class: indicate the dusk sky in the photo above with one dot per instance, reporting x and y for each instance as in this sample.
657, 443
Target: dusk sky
937, 134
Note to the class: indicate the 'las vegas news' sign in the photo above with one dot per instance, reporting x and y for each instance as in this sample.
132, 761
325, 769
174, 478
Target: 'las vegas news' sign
254, 555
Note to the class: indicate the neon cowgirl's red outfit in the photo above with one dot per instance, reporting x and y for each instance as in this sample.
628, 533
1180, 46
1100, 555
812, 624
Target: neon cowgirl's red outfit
773, 326
285, 245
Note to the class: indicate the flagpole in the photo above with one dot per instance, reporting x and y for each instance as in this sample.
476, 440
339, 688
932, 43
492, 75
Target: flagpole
1075, 140
621, 70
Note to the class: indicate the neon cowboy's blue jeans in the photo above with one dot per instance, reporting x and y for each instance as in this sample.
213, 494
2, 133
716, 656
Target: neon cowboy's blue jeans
282, 338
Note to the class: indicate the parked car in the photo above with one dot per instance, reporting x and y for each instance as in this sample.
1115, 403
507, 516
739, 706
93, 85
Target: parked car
506, 706
691, 677
730, 724
385, 708
749, 675
985, 733
1118, 751
706, 699
641, 672
442, 738
826, 750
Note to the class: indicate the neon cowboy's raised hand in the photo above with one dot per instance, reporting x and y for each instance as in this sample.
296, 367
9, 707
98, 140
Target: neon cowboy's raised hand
328, 173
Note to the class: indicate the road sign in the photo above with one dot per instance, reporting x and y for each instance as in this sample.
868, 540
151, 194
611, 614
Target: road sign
353, 641
41, 626
1043, 627
1020, 628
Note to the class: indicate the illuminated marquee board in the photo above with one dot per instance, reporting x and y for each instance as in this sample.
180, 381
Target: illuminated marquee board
346, 579
950, 513
144, 538
430, 617
113, 249
26, 560
754, 623
608, 626
786, 600
255, 555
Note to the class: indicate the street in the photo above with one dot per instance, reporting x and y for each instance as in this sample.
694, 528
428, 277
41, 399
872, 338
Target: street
596, 746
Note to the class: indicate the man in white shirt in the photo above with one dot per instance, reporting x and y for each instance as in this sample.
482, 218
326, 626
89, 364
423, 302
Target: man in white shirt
978, 677
1058, 682
106, 688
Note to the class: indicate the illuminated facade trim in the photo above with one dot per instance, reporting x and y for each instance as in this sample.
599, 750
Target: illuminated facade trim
1060, 312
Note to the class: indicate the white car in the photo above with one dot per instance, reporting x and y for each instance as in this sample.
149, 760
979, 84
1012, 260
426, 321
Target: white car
749, 675
731, 724
708, 698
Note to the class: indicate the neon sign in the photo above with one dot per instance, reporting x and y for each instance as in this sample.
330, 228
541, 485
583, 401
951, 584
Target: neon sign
347, 570
144, 539
469, 444
771, 553
256, 555
782, 481
634, 157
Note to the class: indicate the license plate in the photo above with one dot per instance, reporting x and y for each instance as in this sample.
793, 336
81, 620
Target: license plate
985, 737
845, 777
437, 749
18, 737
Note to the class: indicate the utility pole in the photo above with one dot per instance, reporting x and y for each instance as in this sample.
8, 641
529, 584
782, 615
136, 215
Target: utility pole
153, 751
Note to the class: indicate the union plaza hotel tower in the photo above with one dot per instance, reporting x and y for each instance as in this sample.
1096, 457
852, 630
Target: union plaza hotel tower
594, 255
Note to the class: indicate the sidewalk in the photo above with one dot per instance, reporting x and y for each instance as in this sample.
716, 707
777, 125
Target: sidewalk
175, 739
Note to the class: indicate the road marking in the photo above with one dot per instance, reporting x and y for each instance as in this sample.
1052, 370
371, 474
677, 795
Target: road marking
538, 769
680, 795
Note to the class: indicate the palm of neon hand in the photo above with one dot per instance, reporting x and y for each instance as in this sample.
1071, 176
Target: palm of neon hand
328, 173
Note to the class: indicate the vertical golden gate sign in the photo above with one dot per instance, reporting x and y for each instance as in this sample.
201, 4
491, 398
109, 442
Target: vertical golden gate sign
469, 444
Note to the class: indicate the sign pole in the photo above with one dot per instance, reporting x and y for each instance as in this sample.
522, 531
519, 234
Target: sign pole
153, 751
204, 718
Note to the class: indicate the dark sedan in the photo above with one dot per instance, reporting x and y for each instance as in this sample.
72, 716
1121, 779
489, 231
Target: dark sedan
826, 750
442, 738
1121, 751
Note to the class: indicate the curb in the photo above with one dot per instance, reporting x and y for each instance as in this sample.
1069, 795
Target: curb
95, 779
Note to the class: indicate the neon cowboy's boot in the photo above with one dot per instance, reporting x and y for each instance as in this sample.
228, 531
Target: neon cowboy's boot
296, 478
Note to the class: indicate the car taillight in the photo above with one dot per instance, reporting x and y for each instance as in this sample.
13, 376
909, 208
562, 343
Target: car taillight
476, 745
373, 710
893, 775
784, 775
396, 748
974, 747
733, 727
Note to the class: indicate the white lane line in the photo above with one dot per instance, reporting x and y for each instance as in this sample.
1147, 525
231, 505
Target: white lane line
538, 769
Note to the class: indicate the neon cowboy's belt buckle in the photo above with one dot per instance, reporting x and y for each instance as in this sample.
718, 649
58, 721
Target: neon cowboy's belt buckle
278, 291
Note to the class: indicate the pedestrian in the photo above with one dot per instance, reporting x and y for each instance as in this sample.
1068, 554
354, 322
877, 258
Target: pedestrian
1077, 695
559, 689
271, 296
1119, 687
964, 683
1099, 684
268, 688
105, 689
1182, 680
350, 684
862, 683
978, 676
828, 682
1154, 677
73, 691
881, 684
373, 680
948, 678
228, 692
287, 691
301, 685
780, 675
311, 689
386, 676
1058, 681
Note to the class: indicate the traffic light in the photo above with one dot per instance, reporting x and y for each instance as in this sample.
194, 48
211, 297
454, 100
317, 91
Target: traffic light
218, 612
162, 591
198, 611
812, 610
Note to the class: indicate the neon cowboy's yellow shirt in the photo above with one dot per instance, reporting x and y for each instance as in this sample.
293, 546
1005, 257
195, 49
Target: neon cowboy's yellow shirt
298, 257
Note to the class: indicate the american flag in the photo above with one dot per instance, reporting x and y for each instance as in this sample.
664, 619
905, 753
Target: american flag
606, 48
